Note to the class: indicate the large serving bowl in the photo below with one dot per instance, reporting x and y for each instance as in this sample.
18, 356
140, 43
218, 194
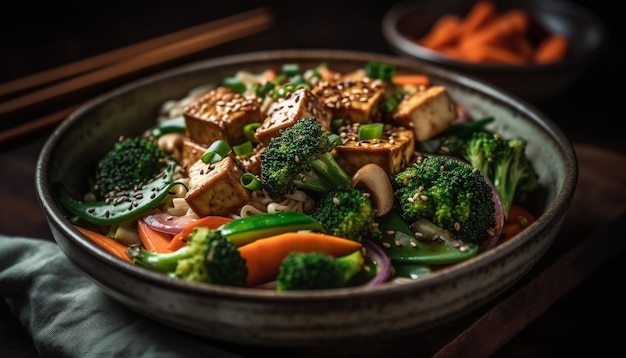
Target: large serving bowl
268, 318
408, 21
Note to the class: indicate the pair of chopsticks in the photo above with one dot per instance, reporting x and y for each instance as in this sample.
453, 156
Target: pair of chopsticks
99, 70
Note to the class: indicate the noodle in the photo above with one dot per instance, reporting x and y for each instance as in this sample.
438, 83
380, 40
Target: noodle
261, 202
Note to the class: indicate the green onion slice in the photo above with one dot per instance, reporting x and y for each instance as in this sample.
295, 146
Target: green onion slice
250, 181
249, 130
234, 84
335, 139
244, 149
370, 131
217, 151
291, 69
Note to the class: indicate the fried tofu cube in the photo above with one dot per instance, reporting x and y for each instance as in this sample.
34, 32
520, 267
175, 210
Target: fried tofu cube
283, 113
214, 189
252, 163
428, 112
191, 152
353, 100
392, 151
221, 114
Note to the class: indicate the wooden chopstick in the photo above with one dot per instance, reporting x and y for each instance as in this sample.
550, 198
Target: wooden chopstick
511, 315
221, 31
108, 58
41, 123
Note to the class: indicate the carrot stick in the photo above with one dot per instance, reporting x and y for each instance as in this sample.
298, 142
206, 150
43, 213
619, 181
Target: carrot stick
498, 30
480, 14
493, 54
153, 240
551, 49
106, 243
444, 32
413, 80
212, 222
519, 44
263, 257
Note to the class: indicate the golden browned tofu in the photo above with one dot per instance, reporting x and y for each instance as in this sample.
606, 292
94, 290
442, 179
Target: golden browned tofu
191, 152
353, 100
221, 114
252, 163
393, 151
428, 112
283, 113
214, 189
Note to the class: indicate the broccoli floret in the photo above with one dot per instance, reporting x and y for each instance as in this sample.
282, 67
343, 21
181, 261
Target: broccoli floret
505, 163
130, 162
207, 257
301, 158
347, 212
316, 270
449, 193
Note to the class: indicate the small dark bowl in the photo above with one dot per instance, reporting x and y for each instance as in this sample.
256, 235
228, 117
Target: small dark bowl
407, 21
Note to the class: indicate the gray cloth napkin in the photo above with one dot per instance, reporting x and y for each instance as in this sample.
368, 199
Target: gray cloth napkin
67, 315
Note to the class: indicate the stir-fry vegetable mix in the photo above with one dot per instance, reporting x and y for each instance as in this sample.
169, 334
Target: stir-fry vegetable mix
305, 179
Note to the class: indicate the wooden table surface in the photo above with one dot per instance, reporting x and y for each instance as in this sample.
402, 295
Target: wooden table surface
589, 113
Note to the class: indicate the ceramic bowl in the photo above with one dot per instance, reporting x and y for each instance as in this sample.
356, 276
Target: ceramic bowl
268, 318
410, 20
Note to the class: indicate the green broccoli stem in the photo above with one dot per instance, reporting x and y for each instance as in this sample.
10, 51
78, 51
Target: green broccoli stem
311, 180
327, 167
161, 262
351, 265
505, 185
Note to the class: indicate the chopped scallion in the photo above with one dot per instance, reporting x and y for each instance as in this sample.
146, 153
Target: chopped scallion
370, 131
217, 151
234, 84
249, 130
244, 149
250, 181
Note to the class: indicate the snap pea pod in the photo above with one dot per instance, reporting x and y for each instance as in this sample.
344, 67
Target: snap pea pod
125, 206
174, 125
401, 244
248, 229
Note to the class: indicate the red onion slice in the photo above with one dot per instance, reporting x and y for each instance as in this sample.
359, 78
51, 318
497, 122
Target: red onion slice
167, 223
380, 259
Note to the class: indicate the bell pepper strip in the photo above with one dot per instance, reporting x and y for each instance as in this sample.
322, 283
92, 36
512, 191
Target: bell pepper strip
245, 230
519, 218
105, 242
264, 256
402, 245
124, 206
212, 222
152, 240
174, 125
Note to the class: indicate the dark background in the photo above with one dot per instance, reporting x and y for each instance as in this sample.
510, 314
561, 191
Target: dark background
43, 35
39, 36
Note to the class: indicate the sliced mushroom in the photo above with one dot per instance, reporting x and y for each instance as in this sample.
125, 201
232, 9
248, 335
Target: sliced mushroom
375, 180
